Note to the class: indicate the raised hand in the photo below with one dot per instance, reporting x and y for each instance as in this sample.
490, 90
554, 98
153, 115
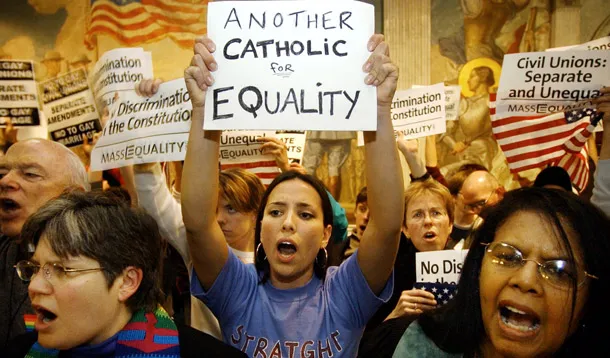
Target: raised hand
277, 149
148, 87
381, 71
198, 75
412, 303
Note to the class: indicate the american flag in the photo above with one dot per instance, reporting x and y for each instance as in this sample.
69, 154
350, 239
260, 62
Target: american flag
556, 139
135, 22
266, 171
443, 292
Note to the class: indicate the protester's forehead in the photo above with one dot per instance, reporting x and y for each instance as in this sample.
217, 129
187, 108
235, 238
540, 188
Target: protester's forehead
39, 152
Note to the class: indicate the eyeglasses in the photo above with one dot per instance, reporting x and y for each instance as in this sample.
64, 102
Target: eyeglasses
477, 206
26, 270
560, 273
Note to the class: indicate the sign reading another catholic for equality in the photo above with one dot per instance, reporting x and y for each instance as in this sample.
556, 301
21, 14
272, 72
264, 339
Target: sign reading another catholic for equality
419, 112
444, 266
292, 65
539, 83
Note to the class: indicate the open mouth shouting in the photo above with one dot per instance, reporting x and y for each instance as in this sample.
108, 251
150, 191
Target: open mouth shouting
44, 317
8, 208
518, 322
286, 250
430, 236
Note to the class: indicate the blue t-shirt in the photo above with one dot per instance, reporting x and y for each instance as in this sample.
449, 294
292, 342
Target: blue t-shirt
319, 319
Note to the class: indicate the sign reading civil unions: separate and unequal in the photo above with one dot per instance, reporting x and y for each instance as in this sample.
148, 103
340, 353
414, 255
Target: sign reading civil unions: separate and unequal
291, 65
539, 83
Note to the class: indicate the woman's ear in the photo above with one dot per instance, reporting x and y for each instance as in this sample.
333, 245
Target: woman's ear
129, 282
405, 231
328, 230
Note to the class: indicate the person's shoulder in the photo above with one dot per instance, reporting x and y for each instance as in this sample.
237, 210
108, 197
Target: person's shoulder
20, 345
194, 343
415, 343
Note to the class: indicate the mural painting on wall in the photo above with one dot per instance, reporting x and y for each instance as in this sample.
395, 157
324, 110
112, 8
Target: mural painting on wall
469, 40
63, 35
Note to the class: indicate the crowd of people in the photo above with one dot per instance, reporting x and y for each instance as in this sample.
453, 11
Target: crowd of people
273, 272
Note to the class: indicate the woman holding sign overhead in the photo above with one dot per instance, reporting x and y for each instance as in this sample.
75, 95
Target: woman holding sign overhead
288, 303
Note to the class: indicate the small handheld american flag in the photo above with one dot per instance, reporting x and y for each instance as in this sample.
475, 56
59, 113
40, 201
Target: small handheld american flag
443, 292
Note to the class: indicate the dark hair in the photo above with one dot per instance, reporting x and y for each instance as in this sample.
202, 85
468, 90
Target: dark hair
454, 183
104, 228
242, 189
362, 196
260, 260
458, 326
554, 176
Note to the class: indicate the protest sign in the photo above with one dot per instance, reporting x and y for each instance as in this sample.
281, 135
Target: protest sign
452, 101
599, 44
419, 112
240, 149
18, 98
69, 107
444, 266
290, 65
119, 70
146, 130
540, 83
295, 144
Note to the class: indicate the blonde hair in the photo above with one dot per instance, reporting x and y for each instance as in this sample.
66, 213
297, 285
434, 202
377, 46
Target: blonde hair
242, 189
429, 186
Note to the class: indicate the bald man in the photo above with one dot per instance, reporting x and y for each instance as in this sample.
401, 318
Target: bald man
31, 173
480, 189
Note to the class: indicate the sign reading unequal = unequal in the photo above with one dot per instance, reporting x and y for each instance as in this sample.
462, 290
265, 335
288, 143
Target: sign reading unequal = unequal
290, 65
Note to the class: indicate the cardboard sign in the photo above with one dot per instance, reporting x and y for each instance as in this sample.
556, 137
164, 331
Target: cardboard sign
540, 83
146, 130
290, 65
69, 108
295, 143
599, 44
18, 94
119, 70
241, 149
444, 266
419, 112
452, 101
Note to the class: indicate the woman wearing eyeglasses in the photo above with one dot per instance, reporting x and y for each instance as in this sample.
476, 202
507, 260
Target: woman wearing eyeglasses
94, 283
535, 283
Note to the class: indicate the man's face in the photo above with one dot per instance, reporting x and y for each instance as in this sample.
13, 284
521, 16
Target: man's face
31, 173
361, 214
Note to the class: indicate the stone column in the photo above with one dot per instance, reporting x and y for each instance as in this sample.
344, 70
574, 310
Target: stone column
566, 23
407, 30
